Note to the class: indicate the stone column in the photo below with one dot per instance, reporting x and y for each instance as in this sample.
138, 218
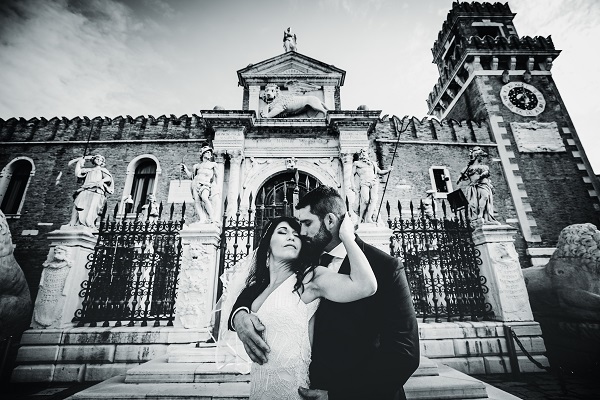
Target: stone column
217, 201
64, 271
235, 162
500, 265
378, 236
198, 276
230, 128
347, 159
254, 99
329, 97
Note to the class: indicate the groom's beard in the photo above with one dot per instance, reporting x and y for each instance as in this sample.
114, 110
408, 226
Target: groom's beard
317, 243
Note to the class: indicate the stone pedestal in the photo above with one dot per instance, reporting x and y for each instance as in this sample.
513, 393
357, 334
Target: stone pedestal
64, 271
377, 236
500, 265
198, 276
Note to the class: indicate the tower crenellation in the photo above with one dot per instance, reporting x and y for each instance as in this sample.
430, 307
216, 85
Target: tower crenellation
482, 36
102, 128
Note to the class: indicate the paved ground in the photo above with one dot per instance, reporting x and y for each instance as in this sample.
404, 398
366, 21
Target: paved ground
525, 386
546, 386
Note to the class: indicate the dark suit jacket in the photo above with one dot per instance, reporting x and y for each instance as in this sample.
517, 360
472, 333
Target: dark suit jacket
369, 348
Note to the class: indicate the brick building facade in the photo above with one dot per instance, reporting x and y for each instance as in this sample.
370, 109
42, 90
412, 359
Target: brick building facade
538, 190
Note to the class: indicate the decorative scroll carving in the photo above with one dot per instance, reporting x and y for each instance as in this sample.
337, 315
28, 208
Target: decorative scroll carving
52, 287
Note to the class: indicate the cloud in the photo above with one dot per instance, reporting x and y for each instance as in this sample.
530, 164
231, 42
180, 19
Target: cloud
75, 56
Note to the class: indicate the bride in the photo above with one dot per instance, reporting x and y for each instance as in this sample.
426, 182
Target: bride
289, 284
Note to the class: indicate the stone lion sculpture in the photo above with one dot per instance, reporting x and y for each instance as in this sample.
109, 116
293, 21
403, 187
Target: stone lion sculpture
279, 105
569, 285
15, 300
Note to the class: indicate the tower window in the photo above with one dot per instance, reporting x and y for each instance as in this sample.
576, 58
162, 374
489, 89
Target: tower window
14, 182
440, 181
492, 31
143, 183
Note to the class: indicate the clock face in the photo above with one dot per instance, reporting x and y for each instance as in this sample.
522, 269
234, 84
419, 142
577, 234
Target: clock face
522, 99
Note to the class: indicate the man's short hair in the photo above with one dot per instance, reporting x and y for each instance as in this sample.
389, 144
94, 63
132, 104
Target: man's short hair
323, 200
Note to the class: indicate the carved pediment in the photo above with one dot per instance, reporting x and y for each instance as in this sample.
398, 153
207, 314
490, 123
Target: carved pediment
278, 70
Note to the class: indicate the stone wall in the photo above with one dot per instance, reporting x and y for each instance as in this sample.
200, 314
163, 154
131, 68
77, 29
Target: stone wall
52, 144
94, 354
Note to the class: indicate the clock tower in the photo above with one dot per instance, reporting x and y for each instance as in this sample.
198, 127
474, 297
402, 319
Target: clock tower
489, 73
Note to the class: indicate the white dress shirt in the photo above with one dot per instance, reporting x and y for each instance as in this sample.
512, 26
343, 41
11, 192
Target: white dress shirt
338, 253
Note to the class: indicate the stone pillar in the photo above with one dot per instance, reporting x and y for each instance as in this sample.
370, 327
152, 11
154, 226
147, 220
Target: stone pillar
198, 276
377, 236
64, 271
230, 128
351, 142
500, 265
329, 97
254, 99
217, 201
235, 162
347, 159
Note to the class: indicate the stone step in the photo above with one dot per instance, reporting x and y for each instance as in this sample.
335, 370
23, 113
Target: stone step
116, 388
159, 379
450, 384
161, 370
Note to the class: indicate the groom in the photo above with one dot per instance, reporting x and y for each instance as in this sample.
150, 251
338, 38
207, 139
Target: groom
366, 349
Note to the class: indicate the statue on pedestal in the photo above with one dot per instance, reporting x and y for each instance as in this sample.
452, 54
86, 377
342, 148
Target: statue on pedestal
15, 300
480, 191
151, 209
368, 173
289, 40
204, 176
89, 199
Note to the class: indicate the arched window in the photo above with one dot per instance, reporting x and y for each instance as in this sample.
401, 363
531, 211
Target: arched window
143, 182
13, 185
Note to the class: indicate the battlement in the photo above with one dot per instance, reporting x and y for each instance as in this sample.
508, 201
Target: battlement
468, 10
491, 53
102, 128
431, 129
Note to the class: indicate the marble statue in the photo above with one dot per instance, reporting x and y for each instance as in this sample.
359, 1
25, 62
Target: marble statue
151, 209
52, 287
289, 40
293, 104
480, 192
89, 199
569, 285
368, 174
15, 300
204, 177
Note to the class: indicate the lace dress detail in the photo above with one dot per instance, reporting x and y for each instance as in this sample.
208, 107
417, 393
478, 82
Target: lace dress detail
285, 318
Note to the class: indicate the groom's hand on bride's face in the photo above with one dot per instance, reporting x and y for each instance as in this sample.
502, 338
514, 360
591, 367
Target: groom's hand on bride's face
249, 330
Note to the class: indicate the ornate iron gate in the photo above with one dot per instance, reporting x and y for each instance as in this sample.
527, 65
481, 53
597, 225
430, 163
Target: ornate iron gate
441, 262
133, 272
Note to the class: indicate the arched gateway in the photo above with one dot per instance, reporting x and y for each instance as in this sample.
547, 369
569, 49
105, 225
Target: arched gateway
279, 195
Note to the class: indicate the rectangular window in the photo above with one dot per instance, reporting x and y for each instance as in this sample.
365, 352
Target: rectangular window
440, 181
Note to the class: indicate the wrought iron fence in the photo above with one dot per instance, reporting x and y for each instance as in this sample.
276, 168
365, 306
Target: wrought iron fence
133, 271
237, 237
441, 262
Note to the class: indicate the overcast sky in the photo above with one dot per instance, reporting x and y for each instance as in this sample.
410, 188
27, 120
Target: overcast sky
154, 57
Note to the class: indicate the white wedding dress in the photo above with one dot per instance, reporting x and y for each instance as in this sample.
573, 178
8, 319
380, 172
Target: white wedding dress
286, 318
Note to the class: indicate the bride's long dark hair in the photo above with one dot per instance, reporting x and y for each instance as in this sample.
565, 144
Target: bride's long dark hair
301, 267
